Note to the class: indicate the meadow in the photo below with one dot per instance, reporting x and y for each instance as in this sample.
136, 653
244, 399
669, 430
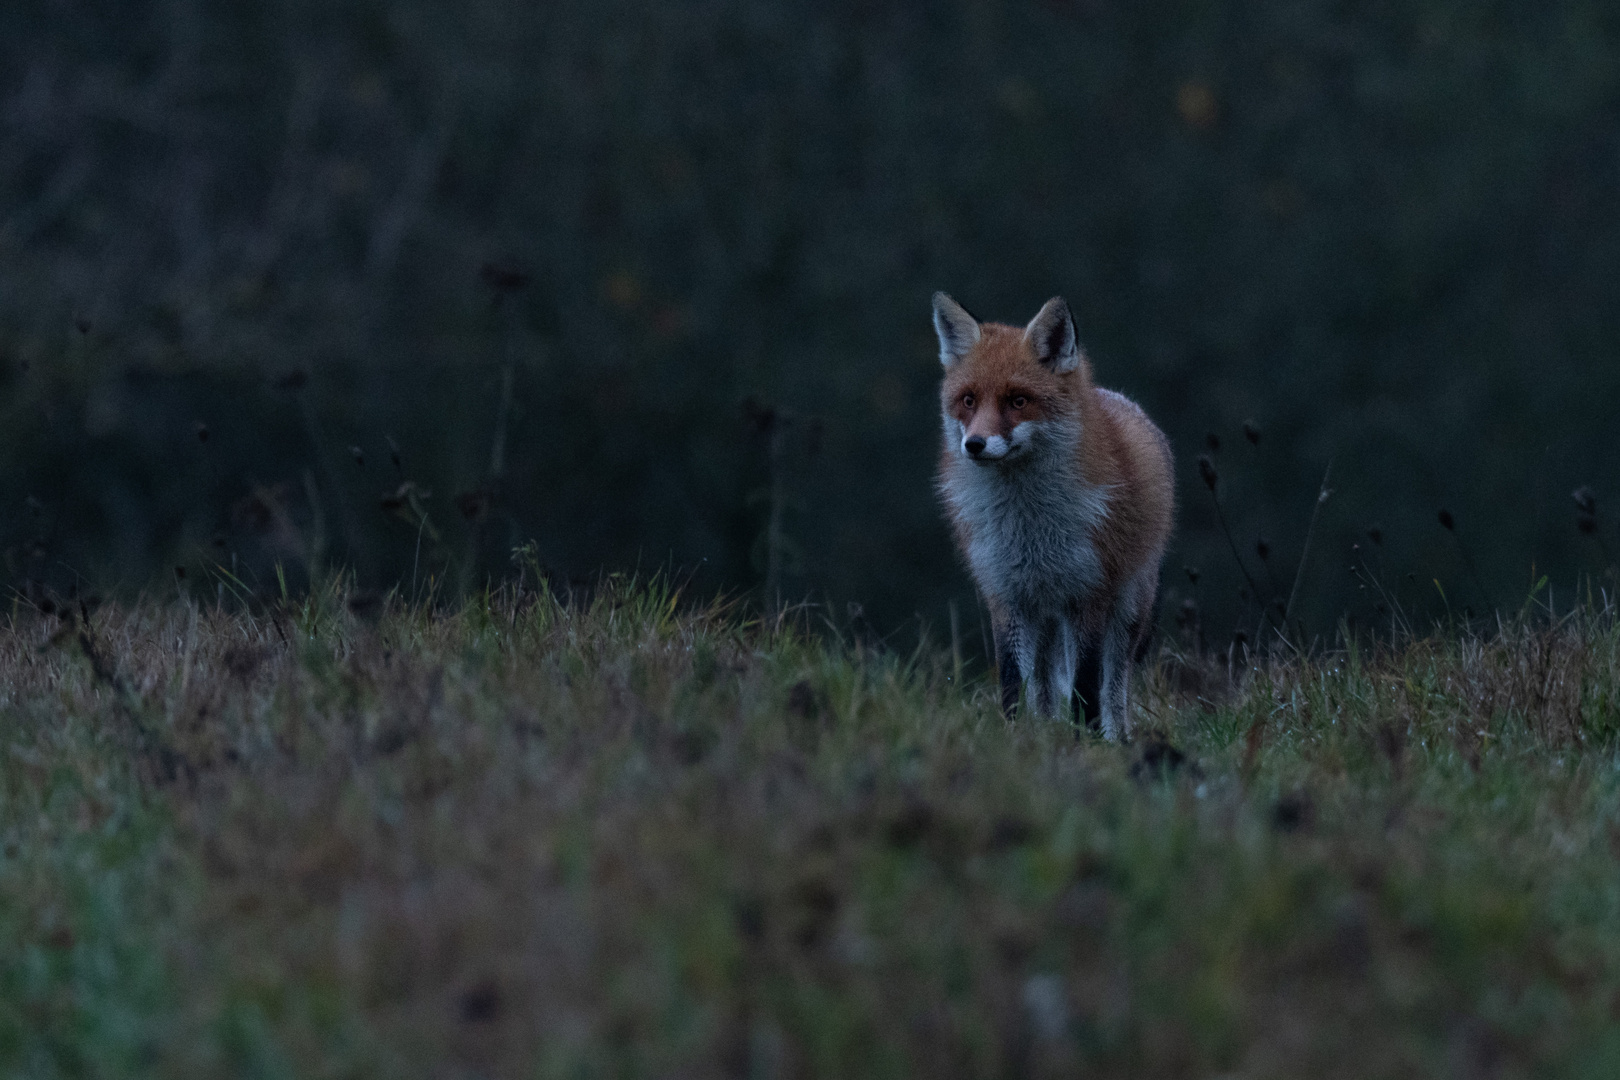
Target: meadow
632, 835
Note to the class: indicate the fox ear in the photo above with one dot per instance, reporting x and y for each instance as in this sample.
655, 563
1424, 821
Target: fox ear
958, 331
1051, 334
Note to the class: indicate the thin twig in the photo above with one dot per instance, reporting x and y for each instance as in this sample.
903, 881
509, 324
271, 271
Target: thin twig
778, 507
1226, 530
417, 562
497, 453
1322, 496
956, 648
1473, 571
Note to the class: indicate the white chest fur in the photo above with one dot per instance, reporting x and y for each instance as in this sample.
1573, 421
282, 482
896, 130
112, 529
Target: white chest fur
1029, 527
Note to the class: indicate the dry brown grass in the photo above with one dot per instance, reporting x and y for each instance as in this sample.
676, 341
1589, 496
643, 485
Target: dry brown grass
640, 839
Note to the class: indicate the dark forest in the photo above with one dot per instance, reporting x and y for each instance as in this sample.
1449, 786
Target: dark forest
394, 288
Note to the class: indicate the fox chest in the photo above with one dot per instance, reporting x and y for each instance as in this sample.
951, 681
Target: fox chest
1030, 543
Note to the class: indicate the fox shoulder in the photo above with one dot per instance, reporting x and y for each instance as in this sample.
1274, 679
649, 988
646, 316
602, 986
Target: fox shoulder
1142, 467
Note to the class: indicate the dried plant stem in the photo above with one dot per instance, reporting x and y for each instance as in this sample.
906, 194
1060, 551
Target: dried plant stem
1473, 571
1603, 547
774, 533
1226, 530
984, 633
497, 454
1271, 578
356, 552
1322, 495
416, 563
956, 647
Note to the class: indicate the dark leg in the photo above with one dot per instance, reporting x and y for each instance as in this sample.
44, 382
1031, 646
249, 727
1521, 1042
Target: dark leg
1144, 631
1087, 684
1011, 678
1116, 680
1005, 635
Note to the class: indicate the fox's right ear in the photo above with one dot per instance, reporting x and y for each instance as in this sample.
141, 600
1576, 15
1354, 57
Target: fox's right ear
958, 331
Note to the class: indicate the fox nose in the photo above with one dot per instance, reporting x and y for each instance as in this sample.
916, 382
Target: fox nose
974, 445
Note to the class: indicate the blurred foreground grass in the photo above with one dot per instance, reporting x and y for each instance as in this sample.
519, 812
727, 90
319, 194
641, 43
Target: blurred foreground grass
632, 839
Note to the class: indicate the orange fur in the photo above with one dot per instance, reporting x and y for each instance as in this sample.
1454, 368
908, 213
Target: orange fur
1000, 381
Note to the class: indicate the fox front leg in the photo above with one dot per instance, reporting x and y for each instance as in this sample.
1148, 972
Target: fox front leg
1011, 680
1007, 667
1117, 646
1088, 681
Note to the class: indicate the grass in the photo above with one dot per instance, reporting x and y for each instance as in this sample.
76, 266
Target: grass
633, 838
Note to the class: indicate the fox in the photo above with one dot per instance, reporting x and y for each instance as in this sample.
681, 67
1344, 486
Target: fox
1061, 496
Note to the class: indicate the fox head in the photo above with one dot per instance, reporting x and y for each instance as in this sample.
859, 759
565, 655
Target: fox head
1009, 394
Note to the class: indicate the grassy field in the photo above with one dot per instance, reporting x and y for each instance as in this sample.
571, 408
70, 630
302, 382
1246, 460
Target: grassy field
631, 838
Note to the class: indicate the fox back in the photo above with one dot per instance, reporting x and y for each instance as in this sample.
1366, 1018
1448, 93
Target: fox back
1061, 497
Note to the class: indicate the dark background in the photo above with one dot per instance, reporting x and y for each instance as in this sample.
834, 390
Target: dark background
1388, 234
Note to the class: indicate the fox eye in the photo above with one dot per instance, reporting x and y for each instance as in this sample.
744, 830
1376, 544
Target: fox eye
967, 401
1019, 401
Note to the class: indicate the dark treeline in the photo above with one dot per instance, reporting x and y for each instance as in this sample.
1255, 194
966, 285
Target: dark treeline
398, 286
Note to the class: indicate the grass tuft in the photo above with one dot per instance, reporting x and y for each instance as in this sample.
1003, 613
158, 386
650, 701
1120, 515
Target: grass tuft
633, 836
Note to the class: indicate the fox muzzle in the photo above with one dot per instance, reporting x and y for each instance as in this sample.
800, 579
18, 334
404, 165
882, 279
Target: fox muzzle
985, 448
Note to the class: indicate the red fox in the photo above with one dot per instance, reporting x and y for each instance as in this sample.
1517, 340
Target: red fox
1062, 498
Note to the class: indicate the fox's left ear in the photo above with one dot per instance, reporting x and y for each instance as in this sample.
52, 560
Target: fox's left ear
1051, 334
